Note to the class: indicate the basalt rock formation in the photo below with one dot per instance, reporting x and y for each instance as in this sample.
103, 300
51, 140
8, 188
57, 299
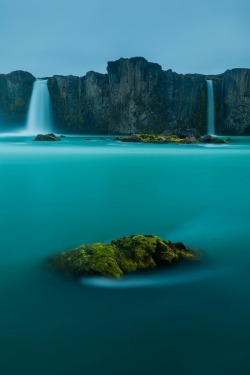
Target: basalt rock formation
232, 102
15, 94
135, 96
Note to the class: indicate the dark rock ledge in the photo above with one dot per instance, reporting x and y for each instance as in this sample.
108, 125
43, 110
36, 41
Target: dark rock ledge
124, 255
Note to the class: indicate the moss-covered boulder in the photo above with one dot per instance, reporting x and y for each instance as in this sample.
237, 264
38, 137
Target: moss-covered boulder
124, 255
47, 137
184, 136
154, 138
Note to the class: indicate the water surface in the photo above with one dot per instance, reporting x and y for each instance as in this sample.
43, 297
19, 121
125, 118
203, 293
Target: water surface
192, 320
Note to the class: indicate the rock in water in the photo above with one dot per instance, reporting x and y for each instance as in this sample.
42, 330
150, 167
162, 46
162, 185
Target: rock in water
184, 137
153, 138
210, 139
124, 255
47, 137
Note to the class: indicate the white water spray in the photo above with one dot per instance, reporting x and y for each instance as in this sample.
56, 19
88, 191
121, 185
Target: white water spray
210, 108
40, 110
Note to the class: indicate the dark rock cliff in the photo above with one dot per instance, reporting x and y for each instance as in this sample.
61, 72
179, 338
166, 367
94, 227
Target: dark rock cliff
80, 104
134, 96
232, 102
15, 94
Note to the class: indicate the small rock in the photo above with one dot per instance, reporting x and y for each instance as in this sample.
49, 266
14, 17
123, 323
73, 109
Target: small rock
47, 137
210, 139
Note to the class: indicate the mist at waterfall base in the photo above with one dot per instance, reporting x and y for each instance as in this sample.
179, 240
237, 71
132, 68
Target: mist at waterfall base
186, 320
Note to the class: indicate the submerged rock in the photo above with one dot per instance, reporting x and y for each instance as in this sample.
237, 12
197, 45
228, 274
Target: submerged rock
47, 137
124, 255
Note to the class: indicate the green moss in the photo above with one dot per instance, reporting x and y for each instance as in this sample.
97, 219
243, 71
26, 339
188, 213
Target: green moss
96, 259
127, 254
174, 139
135, 252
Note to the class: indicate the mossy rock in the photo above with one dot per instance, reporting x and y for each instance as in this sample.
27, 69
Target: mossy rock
152, 138
190, 138
124, 255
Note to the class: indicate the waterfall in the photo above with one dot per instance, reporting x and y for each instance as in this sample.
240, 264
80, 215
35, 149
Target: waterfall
40, 110
210, 108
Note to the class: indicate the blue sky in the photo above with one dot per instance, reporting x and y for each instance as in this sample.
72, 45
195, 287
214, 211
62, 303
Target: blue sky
47, 37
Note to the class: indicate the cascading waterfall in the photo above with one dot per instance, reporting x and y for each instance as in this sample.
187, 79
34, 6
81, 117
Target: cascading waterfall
40, 119
210, 108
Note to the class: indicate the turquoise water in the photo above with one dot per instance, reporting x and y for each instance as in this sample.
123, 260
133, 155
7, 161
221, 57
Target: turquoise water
192, 320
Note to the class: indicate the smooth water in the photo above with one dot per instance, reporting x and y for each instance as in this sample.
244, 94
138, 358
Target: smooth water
192, 320
210, 108
40, 118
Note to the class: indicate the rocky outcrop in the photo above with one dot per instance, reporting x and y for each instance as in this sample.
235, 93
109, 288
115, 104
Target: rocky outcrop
124, 255
15, 94
135, 96
232, 102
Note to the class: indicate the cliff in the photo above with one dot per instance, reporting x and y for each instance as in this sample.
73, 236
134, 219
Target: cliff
15, 94
135, 96
81, 104
232, 102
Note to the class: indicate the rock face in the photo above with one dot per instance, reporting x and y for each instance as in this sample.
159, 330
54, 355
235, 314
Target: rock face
15, 94
135, 96
232, 102
127, 254
80, 104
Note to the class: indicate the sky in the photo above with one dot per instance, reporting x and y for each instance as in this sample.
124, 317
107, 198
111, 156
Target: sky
47, 37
